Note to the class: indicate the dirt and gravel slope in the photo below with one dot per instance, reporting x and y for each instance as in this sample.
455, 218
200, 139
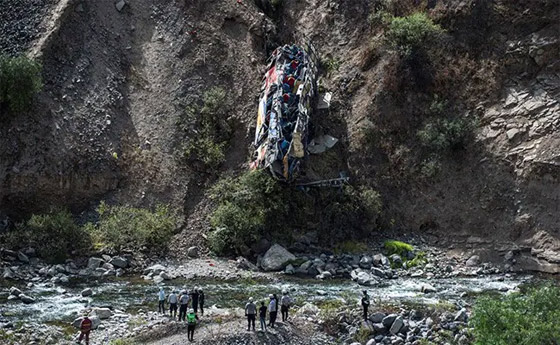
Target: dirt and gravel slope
118, 82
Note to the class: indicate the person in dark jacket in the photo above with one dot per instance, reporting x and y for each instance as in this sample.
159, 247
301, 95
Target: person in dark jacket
201, 301
272, 310
85, 328
194, 298
262, 316
365, 304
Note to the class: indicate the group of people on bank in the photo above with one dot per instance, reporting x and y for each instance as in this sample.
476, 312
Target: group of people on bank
187, 303
272, 308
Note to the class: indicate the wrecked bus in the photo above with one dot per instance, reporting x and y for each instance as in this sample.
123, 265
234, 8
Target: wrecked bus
288, 91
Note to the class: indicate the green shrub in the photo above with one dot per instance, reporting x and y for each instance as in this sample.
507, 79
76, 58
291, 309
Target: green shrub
207, 129
411, 34
397, 247
430, 167
20, 80
121, 227
520, 318
441, 135
363, 335
419, 260
246, 206
330, 65
54, 235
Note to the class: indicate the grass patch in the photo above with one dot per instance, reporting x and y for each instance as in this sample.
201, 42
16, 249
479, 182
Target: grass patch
397, 247
20, 81
121, 227
330, 65
520, 318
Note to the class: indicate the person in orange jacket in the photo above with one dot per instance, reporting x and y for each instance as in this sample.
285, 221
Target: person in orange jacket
85, 327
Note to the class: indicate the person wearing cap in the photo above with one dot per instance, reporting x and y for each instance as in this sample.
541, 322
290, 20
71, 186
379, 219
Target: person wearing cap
85, 328
365, 304
272, 310
161, 301
172, 299
191, 324
250, 313
183, 305
285, 303
201, 301
194, 299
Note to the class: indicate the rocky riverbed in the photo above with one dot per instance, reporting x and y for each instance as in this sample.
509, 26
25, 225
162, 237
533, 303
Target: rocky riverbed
42, 304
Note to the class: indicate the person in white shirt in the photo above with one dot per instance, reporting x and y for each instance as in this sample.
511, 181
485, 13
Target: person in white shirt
285, 303
172, 299
161, 301
272, 310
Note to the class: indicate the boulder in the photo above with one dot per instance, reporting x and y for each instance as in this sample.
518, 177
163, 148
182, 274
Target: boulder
192, 252
381, 260
26, 299
290, 270
371, 342
429, 322
164, 275
378, 272
120, 5
389, 319
308, 309
364, 278
22, 257
396, 260
366, 262
276, 258
155, 269
14, 291
93, 263
102, 313
397, 325
325, 275
379, 328
86, 292
245, 264
377, 317
473, 261
119, 262
427, 288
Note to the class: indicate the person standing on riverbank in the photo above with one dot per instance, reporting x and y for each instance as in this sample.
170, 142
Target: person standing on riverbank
161, 301
272, 310
365, 304
262, 316
285, 302
201, 301
172, 299
183, 304
85, 328
191, 324
251, 313
194, 298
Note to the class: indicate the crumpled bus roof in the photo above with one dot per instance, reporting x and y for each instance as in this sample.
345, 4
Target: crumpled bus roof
288, 90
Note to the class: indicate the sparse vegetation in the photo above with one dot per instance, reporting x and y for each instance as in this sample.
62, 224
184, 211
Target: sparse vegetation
121, 227
20, 80
430, 167
247, 204
207, 129
55, 236
330, 65
521, 318
397, 247
443, 135
411, 34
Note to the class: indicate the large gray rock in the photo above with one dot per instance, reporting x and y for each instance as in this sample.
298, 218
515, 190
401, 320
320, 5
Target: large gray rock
366, 262
192, 252
120, 5
86, 292
119, 262
102, 313
26, 299
473, 261
155, 269
290, 270
93, 263
381, 260
461, 315
427, 288
396, 260
276, 258
364, 278
308, 309
14, 291
389, 319
397, 325
379, 328
377, 317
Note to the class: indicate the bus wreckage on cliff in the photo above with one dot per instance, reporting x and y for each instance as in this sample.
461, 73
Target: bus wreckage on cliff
288, 93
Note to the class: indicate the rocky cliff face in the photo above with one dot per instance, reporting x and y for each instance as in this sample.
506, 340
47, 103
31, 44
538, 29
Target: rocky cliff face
118, 81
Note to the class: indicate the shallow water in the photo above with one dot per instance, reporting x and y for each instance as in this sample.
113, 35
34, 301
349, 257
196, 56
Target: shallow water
62, 304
